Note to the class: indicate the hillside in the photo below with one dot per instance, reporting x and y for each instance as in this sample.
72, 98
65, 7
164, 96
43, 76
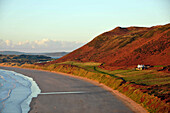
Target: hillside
22, 59
11, 53
124, 47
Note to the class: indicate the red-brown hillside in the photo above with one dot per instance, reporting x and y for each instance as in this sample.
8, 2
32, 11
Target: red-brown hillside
126, 47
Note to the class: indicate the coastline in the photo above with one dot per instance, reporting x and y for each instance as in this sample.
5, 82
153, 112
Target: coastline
23, 89
135, 107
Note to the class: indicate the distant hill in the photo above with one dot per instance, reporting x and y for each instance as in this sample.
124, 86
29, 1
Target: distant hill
22, 59
54, 54
126, 47
11, 53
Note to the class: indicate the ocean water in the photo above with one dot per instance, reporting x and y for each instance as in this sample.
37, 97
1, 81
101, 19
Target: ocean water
16, 92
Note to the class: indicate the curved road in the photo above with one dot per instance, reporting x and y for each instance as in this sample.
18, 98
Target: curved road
91, 99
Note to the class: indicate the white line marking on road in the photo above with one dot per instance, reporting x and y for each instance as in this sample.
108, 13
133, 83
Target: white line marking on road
75, 92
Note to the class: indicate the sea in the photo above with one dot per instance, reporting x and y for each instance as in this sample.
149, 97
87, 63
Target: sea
16, 92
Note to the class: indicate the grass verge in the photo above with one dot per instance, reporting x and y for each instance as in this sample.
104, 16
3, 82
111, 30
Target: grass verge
125, 81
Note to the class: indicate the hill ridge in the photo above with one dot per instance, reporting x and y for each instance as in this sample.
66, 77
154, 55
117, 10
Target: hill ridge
126, 47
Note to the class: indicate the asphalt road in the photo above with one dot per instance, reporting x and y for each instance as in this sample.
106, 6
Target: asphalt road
71, 95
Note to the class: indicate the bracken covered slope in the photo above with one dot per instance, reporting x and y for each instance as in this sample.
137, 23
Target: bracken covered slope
126, 47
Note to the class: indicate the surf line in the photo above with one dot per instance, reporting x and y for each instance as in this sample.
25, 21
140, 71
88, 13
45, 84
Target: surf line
54, 93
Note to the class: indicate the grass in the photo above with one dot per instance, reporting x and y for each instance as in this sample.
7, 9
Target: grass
87, 65
97, 42
144, 77
159, 66
113, 72
157, 81
126, 41
81, 64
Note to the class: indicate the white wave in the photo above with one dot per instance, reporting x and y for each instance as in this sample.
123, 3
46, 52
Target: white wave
16, 92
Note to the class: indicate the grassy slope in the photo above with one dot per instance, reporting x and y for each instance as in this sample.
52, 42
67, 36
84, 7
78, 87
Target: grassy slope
126, 47
147, 77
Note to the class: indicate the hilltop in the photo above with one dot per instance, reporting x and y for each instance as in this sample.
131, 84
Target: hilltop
126, 47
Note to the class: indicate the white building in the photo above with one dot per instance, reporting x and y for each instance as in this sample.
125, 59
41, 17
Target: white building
140, 66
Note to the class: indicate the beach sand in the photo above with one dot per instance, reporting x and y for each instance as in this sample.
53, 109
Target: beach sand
96, 97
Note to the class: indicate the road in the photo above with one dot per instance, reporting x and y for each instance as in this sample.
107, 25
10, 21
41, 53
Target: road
70, 95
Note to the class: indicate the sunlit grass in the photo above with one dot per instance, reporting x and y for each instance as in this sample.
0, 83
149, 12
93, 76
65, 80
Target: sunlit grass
159, 66
146, 77
81, 63
87, 65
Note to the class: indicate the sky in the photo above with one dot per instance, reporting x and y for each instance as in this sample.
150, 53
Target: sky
65, 25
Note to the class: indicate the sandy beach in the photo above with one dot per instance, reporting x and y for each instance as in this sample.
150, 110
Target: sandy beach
73, 94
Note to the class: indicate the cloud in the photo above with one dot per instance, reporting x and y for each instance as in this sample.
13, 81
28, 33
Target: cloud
44, 45
8, 42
